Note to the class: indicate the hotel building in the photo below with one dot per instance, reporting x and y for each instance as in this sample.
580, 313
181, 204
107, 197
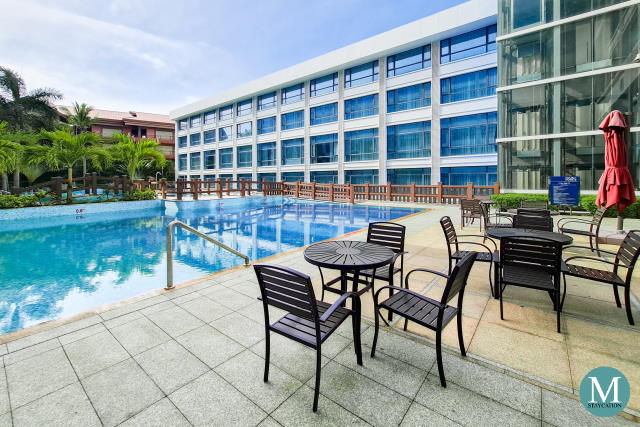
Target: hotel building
414, 104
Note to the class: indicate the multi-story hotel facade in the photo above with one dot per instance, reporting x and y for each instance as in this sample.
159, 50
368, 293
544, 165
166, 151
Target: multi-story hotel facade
414, 104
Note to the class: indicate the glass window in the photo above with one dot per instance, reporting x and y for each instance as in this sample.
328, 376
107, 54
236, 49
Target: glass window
210, 159
362, 74
410, 60
194, 139
209, 136
243, 129
525, 165
361, 145
182, 162
526, 58
225, 113
407, 98
226, 158
292, 120
324, 114
292, 151
583, 156
182, 124
163, 134
472, 134
468, 86
526, 12
525, 111
409, 140
194, 160
243, 156
209, 117
292, 176
270, 177
473, 43
196, 121
361, 176
324, 177
245, 176
182, 141
361, 107
418, 176
479, 175
323, 85
267, 154
224, 133
266, 125
209, 177
293, 93
324, 148
266, 101
243, 108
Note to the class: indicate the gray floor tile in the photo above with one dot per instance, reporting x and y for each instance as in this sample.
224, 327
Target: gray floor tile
209, 345
121, 320
95, 353
129, 308
210, 400
419, 355
66, 407
165, 305
4, 393
187, 297
171, 366
252, 290
467, 407
139, 335
180, 292
28, 352
240, 328
346, 330
121, 391
563, 411
269, 422
37, 376
175, 321
245, 372
161, 414
205, 309
3, 349
82, 333
230, 298
5, 420
43, 336
419, 415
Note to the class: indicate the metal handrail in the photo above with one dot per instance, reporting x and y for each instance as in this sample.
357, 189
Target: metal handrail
184, 226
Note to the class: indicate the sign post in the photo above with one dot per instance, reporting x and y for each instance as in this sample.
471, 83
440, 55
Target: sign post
564, 191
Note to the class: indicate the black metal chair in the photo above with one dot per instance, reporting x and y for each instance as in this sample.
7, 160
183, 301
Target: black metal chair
535, 204
592, 232
427, 312
533, 212
533, 222
486, 219
308, 321
534, 263
492, 256
469, 212
625, 258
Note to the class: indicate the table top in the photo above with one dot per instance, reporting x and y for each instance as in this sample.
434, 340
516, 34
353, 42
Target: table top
348, 255
499, 233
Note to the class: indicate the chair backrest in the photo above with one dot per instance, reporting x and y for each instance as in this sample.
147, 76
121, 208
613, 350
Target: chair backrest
534, 204
531, 222
387, 234
484, 213
535, 252
598, 215
449, 231
533, 212
628, 253
470, 205
458, 278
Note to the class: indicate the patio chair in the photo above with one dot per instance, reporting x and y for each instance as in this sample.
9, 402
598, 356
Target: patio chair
533, 212
534, 204
534, 263
490, 255
469, 212
308, 321
533, 222
486, 219
592, 232
427, 312
625, 258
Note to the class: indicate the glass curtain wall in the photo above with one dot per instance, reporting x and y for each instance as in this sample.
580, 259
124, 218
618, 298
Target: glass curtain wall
361, 176
418, 176
407, 98
361, 145
409, 140
472, 134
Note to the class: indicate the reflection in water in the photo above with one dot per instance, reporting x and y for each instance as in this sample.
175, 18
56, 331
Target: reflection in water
66, 265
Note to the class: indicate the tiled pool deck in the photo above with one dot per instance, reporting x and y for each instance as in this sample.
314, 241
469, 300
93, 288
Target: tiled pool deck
194, 356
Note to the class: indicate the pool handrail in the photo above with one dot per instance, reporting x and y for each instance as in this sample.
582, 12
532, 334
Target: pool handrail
184, 226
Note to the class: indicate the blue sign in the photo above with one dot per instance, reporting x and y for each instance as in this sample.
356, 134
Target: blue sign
604, 391
564, 190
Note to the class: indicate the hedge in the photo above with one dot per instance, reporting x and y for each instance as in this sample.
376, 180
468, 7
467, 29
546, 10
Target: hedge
11, 202
587, 202
147, 194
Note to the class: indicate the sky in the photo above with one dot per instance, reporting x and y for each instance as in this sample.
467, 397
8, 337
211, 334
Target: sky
157, 55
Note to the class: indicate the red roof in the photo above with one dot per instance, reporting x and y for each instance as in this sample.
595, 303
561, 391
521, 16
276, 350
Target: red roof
127, 116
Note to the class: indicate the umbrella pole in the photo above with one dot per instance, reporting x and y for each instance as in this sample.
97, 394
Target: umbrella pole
620, 222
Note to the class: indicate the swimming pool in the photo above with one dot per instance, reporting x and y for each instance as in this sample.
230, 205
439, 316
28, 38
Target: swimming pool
58, 266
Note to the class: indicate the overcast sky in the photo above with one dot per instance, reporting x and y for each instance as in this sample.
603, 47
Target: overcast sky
156, 55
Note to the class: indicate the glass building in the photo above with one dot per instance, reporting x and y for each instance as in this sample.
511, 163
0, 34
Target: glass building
563, 66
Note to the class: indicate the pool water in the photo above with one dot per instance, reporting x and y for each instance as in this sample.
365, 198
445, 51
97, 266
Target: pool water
60, 266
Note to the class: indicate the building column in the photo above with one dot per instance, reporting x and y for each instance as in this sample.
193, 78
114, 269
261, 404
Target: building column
340, 167
382, 121
435, 112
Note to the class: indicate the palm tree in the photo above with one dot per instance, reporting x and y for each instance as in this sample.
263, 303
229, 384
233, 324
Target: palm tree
9, 155
133, 156
80, 117
26, 110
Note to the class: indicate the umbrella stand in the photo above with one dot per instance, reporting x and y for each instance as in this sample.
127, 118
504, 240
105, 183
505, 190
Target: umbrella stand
620, 223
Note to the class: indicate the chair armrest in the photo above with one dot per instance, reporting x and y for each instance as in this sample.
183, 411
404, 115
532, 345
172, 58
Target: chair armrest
587, 247
335, 305
478, 244
408, 291
563, 221
426, 270
396, 256
593, 259
479, 235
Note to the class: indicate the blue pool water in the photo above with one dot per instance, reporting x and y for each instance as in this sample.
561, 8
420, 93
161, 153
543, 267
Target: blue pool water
59, 266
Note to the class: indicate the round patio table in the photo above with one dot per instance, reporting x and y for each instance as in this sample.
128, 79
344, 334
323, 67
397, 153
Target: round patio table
499, 233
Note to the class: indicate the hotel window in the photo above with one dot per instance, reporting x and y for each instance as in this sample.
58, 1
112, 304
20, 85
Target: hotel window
409, 140
473, 43
324, 177
468, 86
182, 141
418, 176
243, 129
224, 133
210, 159
411, 60
163, 134
266, 125
324, 114
360, 75
292, 120
226, 158
209, 136
479, 175
267, 154
243, 156
292, 176
209, 117
245, 176
269, 177
361, 145
194, 139
266, 101
182, 162
292, 151
209, 177
324, 148
182, 124
323, 85
293, 93
194, 161
196, 121
225, 113
407, 98
243, 108
359, 177
473, 134
361, 107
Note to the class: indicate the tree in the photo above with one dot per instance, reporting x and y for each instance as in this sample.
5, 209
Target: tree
24, 110
80, 117
133, 156
9, 155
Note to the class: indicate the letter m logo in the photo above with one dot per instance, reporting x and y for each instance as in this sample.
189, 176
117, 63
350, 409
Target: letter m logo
597, 388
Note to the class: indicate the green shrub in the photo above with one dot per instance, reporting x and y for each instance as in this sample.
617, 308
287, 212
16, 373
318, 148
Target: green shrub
507, 201
588, 203
12, 202
140, 195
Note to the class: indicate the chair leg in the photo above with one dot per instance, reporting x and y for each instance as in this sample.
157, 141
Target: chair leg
355, 322
501, 309
266, 355
460, 337
496, 280
390, 314
317, 390
376, 315
558, 308
564, 294
321, 281
491, 277
443, 382
627, 303
616, 295
597, 245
